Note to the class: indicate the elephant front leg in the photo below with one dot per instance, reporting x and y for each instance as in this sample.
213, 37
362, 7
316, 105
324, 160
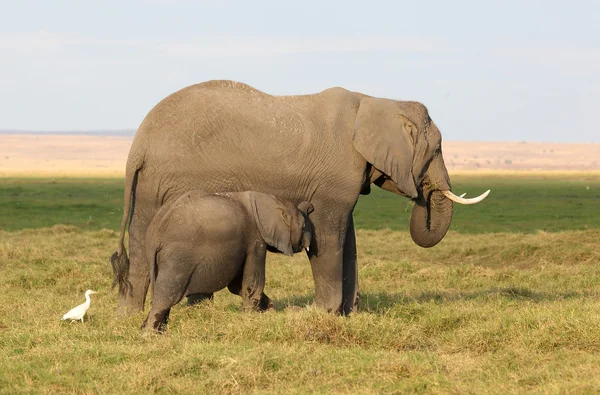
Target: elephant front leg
235, 287
252, 284
333, 262
327, 269
350, 301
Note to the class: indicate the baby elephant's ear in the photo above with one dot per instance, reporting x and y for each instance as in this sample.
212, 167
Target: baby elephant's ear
273, 221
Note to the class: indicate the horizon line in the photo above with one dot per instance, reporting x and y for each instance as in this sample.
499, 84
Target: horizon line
129, 132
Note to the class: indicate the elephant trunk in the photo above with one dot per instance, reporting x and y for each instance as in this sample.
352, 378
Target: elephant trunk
306, 208
306, 239
432, 211
431, 218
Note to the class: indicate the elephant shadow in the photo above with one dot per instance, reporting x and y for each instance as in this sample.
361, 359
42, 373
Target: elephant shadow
382, 302
292, 303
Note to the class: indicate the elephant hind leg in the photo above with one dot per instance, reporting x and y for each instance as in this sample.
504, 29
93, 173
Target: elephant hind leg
158, 316
169, 288
139, 277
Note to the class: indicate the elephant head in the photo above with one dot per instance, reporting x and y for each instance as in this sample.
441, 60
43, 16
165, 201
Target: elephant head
282, 226
404, 147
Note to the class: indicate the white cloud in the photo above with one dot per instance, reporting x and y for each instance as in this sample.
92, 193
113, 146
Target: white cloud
551, 55
268, 46
217, 47
171, 2
37, 41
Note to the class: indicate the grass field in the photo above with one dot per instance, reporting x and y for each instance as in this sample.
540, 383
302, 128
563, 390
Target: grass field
517, 204
507, 302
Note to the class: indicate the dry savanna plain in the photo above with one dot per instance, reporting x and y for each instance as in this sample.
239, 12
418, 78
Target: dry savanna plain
508, 302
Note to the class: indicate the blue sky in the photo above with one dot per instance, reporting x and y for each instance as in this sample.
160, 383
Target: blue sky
503, 71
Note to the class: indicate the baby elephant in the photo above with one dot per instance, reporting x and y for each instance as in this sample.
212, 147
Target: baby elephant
201, 242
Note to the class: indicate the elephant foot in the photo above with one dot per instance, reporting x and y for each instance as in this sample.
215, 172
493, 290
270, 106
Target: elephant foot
354, 307
330, 305
156, 321
356, 303
338, 306
265, 304
262, 305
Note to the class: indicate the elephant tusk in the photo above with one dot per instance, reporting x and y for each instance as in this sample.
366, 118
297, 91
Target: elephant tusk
461, 200
463, 195
307, 249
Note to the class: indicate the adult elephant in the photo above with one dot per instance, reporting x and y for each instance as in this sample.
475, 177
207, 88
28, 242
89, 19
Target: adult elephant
326, 148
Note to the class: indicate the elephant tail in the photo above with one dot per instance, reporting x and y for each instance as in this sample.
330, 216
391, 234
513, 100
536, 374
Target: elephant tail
120, 266
119, 260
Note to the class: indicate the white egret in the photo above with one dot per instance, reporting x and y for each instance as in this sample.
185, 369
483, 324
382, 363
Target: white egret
77, 313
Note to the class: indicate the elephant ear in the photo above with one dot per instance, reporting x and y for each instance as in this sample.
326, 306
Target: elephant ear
386, 138
273, 222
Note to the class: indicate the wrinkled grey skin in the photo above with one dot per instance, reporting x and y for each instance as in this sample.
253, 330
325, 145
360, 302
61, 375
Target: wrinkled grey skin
200, 243
326, 148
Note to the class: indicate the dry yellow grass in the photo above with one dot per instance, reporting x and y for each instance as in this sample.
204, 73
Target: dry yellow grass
492, 313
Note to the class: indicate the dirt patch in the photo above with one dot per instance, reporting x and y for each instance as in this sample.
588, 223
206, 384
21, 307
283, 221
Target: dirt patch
28, 154
513, 156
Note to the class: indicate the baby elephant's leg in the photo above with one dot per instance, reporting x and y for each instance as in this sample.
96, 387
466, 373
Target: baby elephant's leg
169, 288
235, 287
253, 283
157, 318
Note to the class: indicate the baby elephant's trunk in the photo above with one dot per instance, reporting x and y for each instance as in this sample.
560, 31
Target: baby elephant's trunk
306, 208
120, 266
306, 239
